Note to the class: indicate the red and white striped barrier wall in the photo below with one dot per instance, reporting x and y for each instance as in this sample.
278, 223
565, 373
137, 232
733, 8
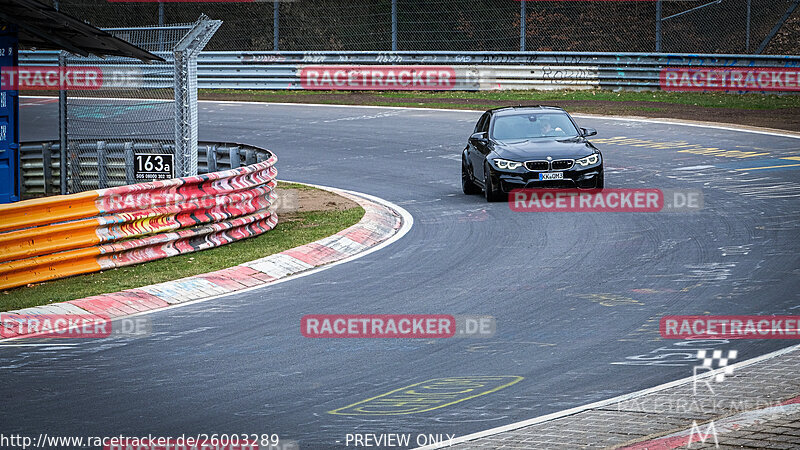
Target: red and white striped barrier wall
54, 237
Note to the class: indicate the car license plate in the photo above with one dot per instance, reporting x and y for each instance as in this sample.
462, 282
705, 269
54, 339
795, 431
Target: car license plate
551, 176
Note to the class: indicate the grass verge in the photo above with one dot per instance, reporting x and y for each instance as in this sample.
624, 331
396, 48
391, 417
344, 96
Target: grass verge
293, 229
483, 99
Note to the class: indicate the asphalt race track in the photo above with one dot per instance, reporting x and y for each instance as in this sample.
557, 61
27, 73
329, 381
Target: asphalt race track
577, 296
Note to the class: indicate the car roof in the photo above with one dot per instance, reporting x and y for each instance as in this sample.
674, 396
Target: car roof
510, 110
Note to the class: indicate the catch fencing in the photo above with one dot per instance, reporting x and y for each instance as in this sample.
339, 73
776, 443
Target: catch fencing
471, 71
696, 26
53, 237
128, 100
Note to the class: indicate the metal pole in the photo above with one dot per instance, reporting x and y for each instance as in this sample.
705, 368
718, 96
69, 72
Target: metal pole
777, 27
394, 25
185, 88
522, 17
747, 33
275, 34
62, 128
658, 25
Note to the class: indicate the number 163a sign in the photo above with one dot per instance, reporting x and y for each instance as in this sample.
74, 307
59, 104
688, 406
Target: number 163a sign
153, 166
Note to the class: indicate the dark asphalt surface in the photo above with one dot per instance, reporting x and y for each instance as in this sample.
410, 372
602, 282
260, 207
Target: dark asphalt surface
577, 296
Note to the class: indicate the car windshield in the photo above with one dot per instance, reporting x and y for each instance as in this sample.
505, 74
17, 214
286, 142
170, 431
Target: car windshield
529, 126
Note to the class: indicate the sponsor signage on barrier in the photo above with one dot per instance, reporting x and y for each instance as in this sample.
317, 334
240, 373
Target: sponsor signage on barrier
378, 77
153, 166
773, 79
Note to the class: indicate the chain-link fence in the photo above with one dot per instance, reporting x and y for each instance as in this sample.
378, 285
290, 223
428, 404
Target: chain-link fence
106, 124
724, 26
119, 115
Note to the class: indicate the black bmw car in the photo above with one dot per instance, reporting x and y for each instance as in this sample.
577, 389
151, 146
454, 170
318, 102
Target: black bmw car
529, 147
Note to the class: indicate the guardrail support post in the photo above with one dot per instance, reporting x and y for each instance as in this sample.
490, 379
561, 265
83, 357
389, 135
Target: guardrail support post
74, 170
211, 158
235, 158
102, 170
47, 168
128, 154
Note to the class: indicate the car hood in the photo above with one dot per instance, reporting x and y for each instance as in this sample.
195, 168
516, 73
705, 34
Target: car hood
541, 148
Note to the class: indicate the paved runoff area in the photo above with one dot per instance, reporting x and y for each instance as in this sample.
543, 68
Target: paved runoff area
754, 405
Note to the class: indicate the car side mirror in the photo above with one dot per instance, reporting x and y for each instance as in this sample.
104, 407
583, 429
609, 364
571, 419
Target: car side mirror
586, 132
481, 137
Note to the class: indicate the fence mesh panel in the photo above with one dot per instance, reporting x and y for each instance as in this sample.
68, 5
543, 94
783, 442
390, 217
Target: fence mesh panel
106, 126
490, 25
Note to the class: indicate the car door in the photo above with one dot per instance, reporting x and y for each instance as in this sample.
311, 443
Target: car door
476, 150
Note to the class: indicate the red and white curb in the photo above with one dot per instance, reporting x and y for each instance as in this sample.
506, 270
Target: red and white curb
382, 224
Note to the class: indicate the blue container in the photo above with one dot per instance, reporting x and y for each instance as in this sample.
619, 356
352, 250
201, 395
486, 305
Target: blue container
10, 171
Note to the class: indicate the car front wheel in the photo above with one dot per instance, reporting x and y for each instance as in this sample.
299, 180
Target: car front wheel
600, 181
489, 189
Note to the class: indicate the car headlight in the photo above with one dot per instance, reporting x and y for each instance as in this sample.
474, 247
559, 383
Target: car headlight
506, 164
589, 160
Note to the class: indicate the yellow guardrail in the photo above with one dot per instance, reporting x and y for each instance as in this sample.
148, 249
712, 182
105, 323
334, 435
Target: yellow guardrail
55, 237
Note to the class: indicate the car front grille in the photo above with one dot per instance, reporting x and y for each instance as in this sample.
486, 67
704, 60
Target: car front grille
539, 166
562, 164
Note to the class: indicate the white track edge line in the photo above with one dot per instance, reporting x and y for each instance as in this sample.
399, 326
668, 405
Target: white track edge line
601, 403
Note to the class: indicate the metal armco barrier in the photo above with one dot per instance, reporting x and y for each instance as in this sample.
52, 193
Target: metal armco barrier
54, 237
474, 70
40, 162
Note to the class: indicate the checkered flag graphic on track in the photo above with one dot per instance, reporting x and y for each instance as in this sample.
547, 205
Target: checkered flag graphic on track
721, 362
